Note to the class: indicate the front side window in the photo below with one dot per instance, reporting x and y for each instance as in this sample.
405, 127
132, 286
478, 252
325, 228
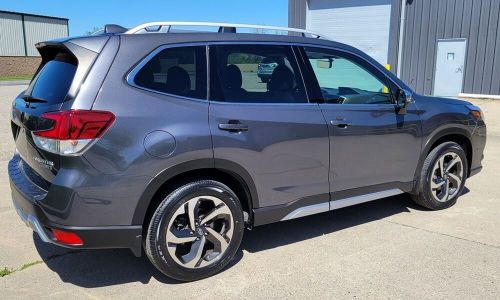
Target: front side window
179, 71
344, 80
256, 74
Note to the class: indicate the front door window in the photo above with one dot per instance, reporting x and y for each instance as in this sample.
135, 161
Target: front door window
344, 81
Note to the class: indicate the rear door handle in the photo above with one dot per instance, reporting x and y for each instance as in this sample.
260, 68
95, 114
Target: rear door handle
233, 126
341, 122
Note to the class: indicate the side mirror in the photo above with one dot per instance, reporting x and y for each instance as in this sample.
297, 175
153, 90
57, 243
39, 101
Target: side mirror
404, 98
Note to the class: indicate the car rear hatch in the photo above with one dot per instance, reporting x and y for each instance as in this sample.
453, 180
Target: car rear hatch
57, 81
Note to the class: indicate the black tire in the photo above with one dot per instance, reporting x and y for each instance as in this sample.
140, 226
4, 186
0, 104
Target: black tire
155, 242
423, 195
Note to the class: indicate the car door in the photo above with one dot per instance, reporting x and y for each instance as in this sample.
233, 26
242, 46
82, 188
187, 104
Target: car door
374, 147
268, 127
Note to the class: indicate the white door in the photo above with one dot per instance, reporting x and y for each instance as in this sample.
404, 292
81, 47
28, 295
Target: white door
450, 63
359, 23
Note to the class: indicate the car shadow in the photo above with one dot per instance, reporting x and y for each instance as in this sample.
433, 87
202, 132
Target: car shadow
98, 268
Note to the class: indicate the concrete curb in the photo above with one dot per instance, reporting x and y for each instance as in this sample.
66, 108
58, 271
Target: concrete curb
14, 82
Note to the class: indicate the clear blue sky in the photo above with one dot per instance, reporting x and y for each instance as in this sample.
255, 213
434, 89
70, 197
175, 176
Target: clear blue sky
85, 15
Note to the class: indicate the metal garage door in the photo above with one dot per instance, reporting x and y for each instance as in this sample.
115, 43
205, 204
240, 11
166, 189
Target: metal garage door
364, 24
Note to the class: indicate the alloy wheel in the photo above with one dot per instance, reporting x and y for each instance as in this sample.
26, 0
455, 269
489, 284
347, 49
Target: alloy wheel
447, 177
199, 232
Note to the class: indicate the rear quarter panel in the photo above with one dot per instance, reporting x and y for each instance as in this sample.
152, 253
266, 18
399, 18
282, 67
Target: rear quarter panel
119, 157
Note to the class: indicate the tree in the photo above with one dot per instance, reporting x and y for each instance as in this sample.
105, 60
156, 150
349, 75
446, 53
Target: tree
94, 29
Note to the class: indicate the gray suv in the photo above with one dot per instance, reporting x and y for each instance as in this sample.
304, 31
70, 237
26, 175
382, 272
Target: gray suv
168, 141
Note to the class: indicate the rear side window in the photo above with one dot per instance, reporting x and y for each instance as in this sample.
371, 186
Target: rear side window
256, 74
53, 80
179, 71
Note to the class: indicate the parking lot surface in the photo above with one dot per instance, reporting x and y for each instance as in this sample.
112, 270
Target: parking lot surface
383, 249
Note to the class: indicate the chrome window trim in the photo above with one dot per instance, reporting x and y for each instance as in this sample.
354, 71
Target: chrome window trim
207, 55
129, 78
381, 69
136, 68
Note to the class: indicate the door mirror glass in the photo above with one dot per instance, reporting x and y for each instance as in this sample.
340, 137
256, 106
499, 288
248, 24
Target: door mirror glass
405, 97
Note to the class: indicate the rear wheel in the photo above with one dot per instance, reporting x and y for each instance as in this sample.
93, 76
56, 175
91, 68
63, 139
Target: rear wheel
442, 177
195, 231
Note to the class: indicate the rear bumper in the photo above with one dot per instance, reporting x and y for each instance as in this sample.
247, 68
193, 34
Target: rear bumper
25, 200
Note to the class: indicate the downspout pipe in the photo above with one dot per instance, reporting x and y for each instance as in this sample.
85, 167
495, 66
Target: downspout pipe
402, 22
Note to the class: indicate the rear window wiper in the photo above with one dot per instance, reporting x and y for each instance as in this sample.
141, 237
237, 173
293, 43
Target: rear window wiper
32, 99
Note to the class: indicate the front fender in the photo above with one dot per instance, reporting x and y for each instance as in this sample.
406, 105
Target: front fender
436, 135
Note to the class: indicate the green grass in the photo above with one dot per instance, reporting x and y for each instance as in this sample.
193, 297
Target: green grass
5, 271
12, 78
25, 266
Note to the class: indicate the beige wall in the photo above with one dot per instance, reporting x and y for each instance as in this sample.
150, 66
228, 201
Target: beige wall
18, 65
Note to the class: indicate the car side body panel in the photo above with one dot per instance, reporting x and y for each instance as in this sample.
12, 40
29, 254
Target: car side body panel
284, 165
177, 123
443, 117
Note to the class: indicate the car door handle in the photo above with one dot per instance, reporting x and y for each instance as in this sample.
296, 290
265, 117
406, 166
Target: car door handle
341, 122
233, 126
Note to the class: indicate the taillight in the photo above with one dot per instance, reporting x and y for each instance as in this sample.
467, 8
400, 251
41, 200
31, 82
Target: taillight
73, 130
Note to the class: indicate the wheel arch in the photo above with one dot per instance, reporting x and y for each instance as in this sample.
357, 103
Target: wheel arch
229, 173
458, 135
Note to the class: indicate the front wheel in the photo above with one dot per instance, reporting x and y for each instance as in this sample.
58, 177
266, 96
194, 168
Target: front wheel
442, 177
195, 231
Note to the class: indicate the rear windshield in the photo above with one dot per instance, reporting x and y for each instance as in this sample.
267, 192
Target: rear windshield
54, 79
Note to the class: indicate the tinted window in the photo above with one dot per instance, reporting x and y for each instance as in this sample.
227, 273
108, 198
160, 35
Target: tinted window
256, 74
344, 79
180, 71
54, 79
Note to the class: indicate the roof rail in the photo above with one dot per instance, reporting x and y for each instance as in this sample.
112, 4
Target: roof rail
164, 27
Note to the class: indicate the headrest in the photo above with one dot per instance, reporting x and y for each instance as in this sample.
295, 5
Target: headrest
232, 77
281, 80
178, 81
